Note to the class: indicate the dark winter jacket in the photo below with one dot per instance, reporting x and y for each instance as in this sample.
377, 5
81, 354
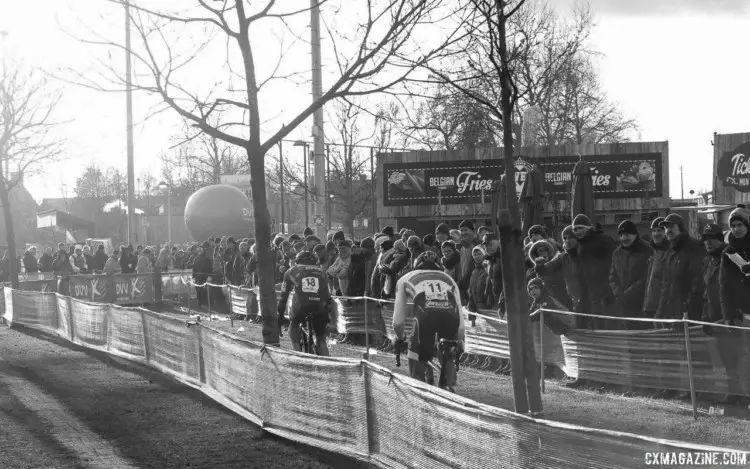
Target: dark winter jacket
557, 323
100, 258
452, 266
712, 292
566, 265
627, 277
128, 261
45, 263
478, 289
29, 263
682, 284
595, 256
61, 266
466, 268
655, 276
89, 263
554, 280
734, 286
495, 274
238, 268
202, 268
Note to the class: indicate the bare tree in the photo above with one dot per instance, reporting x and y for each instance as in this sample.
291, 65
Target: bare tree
383, 41
27, 142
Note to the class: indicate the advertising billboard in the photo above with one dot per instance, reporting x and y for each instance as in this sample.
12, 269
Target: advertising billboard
733, 168
468, 181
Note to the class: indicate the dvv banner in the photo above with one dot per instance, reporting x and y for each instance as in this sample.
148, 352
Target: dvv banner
468, 181
117, 289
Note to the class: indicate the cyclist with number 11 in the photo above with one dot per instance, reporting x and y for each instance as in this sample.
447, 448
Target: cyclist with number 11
311, 296
436, 309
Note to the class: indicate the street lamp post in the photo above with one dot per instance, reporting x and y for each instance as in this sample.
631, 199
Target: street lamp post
163, 185
300, 143
281, 183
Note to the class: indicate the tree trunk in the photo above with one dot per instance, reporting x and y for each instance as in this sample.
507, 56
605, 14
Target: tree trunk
266, 290
525, 375
10, 234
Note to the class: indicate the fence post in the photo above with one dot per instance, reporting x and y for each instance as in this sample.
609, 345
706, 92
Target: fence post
367, 335
541, 348
231, 315
690, 364
208, 299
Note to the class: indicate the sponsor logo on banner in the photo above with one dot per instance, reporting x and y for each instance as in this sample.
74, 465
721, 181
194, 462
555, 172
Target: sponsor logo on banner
89, 288
117, 288
733, 168
132, 289
522, 169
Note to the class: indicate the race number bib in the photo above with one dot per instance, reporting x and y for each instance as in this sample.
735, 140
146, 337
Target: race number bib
310, 285
434, 290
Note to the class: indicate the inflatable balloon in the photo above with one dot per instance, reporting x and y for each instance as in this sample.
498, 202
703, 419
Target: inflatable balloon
219, 210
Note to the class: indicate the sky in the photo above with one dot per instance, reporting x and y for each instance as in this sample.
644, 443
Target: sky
676, 66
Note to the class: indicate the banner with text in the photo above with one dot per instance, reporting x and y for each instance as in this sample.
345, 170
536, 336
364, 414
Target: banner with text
471, 181
117, 288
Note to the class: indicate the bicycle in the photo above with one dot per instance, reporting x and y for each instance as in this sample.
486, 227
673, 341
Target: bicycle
449, 361
307, 336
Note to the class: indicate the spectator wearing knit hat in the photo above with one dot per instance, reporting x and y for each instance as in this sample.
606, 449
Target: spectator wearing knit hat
468, 241
376, 280
566, 264
442, 233
682, 286
734, 276
367, 252
478, 299
310, 242
451, 259
627, 276
338, 237
430, 244
656, 268
541, 252
308, 232
595, 257
388, 231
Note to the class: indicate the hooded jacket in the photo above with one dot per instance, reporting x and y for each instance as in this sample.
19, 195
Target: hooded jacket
712, 291
734, 286
655, 275
466, 267
682, 284
30, 263
100, 258
478, 298
627, 277
554, 280
45, 263
565, 264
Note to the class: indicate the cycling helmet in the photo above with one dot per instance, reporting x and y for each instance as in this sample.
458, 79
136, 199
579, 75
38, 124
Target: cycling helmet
306, 258
428, 260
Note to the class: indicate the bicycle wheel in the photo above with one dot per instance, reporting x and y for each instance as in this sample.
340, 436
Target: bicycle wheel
312, 347
303, 341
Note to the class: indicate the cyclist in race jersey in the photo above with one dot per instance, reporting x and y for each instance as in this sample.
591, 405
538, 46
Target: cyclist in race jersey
436, 307
311, 295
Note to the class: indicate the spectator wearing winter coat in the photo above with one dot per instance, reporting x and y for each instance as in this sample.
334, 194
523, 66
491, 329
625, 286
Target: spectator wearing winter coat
90, 266
238, 277
478, 284
128, 260
494, 272
164, 262
539, 233
77, 261
144, 265
202, 272
112, 266
541, 298
713, 241
61, 264
100, 258
627, 277
733, 295
656, 268
395, 263
595, 258
540, 253
682, 286
429, 243
455, 236
734, 282
451, 259
388, 231
468, 241
30, 262
368, 255
377, 284
567, 265
442, 234
45, 262
341, 268
415, 247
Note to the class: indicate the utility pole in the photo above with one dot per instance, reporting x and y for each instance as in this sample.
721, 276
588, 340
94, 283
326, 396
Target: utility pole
318, 133
132, 237
682, 187
281, 183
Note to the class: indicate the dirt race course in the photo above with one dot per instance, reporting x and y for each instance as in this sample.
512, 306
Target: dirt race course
68, 407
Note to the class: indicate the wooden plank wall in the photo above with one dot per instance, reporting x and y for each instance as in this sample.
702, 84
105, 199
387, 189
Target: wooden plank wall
726, 194
477, 210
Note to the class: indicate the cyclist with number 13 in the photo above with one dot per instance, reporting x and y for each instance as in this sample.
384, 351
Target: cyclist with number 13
311, 296
437, 312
